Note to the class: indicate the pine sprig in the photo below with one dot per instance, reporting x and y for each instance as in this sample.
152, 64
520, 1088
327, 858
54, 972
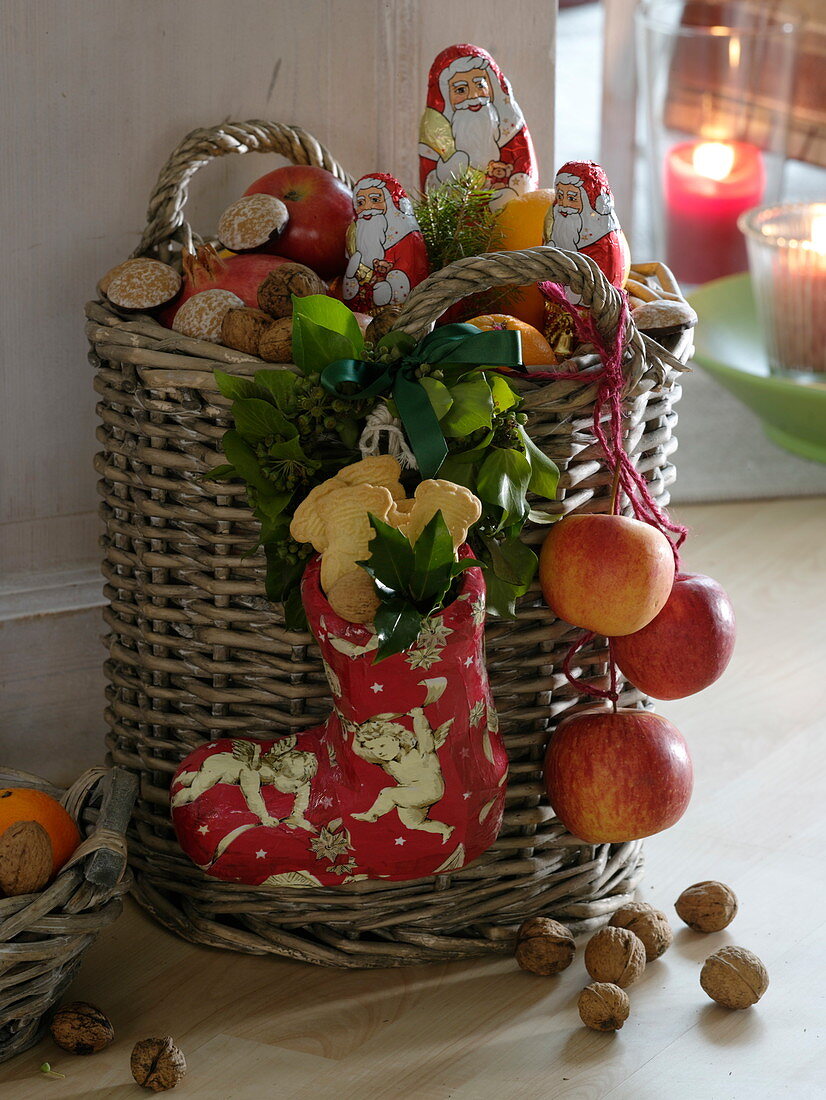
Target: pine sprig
456, 219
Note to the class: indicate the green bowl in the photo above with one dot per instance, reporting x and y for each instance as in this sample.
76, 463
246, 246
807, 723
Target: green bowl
728, 345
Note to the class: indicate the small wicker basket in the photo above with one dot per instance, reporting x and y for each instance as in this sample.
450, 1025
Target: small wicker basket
196, 652
44, 936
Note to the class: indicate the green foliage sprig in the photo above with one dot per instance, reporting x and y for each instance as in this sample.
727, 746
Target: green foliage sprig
412, 581
491, 453
290, 434
456, 219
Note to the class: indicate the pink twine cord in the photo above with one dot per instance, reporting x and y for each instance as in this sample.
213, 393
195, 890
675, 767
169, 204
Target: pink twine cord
631, 482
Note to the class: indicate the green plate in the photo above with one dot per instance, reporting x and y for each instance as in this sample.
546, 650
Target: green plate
728, 345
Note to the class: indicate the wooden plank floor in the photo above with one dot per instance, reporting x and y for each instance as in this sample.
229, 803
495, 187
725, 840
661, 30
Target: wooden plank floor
256, 1027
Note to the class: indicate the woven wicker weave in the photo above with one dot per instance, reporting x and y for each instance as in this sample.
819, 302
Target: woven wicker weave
44, 936
196, 652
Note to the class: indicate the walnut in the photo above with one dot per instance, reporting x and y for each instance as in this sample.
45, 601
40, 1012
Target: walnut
707, 906
544, 946
603, 1006
276, 344
383, 321
26, 859
734, 977
81, 1028
158, 1064
275, 294
243, 328
615, 955
648, 924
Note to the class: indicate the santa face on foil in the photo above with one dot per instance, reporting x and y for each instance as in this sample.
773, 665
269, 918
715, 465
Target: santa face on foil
473, 121
582, 218
385, 245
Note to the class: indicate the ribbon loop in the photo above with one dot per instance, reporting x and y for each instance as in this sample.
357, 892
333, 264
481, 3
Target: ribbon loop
398, 379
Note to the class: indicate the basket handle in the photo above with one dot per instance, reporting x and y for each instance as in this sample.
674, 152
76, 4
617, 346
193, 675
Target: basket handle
165, 216
472, 274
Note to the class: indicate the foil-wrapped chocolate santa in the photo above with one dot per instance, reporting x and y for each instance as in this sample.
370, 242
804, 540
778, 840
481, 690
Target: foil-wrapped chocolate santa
387, 254
582, 219
473, 121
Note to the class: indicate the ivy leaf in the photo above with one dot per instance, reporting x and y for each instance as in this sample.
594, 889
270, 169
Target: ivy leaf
391, 558
503, 481
256, 420
460, 566
501, 597
221, 473
432, 559
295, 617
397, 624
233, 386
271, 506
324, 330
504, 397
439, 396
472, 407
282, 576
330, 314
544, 472
512, 561
243, 458
279, 385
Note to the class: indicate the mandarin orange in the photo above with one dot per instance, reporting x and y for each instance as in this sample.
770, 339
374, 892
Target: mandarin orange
521, 221
536, 351
24, 804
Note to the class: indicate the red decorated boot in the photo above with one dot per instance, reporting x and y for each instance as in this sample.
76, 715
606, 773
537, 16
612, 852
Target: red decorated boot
404, 780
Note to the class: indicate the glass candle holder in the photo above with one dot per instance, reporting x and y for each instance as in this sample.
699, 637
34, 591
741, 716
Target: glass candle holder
787, 259
716, 79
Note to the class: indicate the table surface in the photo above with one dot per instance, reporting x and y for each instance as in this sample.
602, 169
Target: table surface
255, 1027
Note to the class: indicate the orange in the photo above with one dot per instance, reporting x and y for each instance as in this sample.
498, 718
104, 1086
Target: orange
536, 351
521, 220
23, 804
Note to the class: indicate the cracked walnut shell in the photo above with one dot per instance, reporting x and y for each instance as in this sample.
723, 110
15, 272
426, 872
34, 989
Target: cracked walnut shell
707, 906
615, 955
734, 977
158, 1064
648, 924
603, 1006
544, 946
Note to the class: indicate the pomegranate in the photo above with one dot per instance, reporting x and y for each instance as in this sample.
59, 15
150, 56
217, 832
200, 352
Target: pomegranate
206, 270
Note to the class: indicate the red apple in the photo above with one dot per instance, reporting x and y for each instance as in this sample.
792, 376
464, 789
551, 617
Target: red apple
686, 646
609, 574
320, 209
617, 776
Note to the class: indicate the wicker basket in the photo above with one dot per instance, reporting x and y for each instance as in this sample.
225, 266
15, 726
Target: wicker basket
43, 936
196, 652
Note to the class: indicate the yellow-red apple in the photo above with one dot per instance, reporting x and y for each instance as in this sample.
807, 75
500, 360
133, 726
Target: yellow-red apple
609, 574
613, 776
686, 646
320, 209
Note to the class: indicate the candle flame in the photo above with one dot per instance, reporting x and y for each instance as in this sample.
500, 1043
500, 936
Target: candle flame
713, 159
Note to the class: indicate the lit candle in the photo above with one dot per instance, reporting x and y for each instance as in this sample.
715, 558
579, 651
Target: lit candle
708, 184
787, 257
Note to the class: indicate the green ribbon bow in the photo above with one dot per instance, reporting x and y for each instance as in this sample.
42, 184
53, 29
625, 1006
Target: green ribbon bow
459, 343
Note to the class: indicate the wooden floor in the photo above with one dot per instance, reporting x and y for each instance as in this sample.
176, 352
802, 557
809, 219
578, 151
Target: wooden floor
253, 1028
